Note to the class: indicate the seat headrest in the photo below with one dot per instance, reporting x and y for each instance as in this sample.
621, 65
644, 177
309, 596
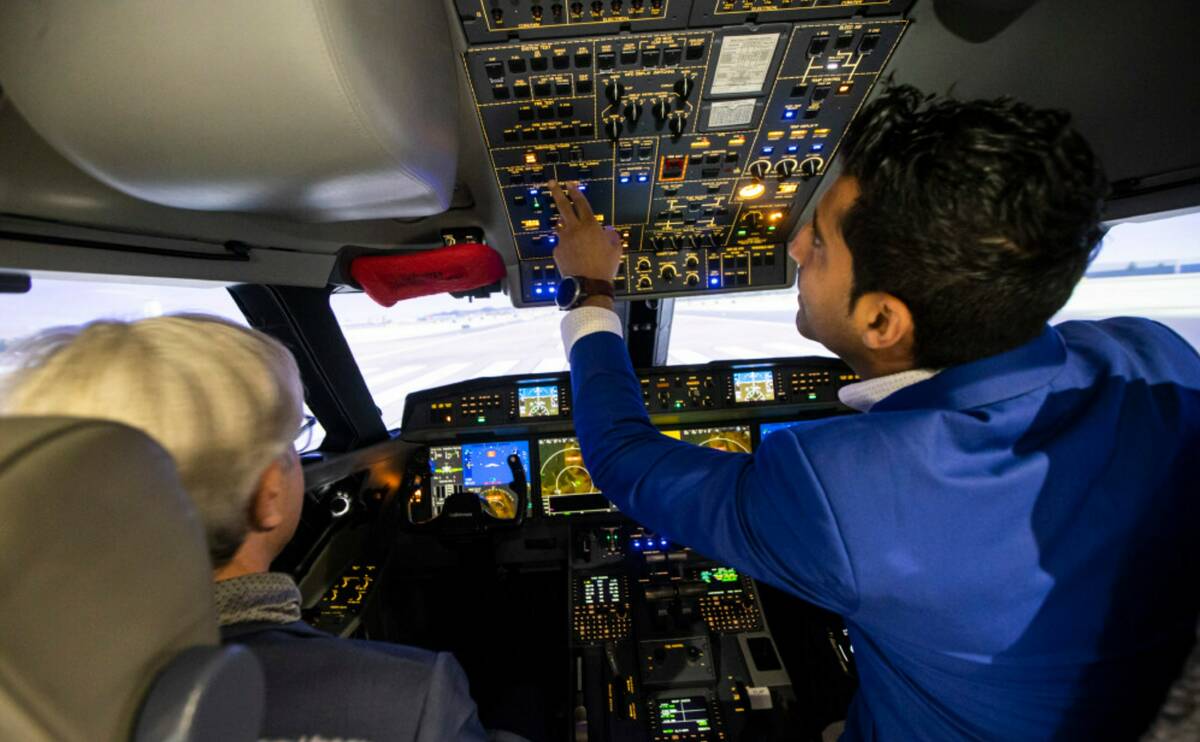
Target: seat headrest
323, 110
104, 580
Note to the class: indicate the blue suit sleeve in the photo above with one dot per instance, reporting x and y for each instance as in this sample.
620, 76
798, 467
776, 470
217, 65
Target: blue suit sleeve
449, 711
765, 514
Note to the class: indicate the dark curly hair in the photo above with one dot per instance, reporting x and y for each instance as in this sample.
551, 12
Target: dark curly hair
981, 216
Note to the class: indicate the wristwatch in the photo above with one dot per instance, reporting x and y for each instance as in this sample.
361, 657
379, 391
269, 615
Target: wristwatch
572, 290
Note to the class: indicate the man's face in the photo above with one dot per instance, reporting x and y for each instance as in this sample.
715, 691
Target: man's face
825, 273
292, 501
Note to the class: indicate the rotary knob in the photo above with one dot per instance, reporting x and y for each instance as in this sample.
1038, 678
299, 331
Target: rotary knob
668, 273
614, 127
643, 264
645, 283
810, 167
339, 505
684, 86
678, 123
692, 262
614, 90
759, 169
661, 109
633, 111
785, 168
693, 280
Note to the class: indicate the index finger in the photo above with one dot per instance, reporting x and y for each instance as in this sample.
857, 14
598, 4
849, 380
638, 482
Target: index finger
582, 207
566, 212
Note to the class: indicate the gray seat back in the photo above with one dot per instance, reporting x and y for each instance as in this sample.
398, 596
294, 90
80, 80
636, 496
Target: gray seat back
107, 625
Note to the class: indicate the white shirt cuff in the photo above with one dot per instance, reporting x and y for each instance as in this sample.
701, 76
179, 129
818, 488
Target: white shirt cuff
586, 320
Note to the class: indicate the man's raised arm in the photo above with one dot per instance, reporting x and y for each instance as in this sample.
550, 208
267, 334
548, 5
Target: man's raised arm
726, 506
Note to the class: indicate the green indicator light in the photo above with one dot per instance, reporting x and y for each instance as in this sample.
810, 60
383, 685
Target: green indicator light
812, 396
678, 403
481, 419
771, 228
741, 233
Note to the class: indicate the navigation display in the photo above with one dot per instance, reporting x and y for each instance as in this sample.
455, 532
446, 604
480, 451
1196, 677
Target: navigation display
754, 386
735, 438
537, 401
683, 715
475, 465
566, 484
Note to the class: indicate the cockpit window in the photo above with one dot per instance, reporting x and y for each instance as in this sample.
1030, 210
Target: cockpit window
735, 326
1145, 268
435, 340
57, 300
1148, 268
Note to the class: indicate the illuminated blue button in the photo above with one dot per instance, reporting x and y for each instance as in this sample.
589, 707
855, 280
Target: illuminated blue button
642, 177
552, 289
662, 542
537, 290
533, 191
714, 281
637, 543
552, 239
624, 179
789, 114
793, 149
768, 150
818, 147
583, 187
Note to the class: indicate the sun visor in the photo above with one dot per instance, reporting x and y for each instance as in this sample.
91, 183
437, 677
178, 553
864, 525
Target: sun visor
315, 110
391, 278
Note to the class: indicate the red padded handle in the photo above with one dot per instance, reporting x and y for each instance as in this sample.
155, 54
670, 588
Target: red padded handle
391, 278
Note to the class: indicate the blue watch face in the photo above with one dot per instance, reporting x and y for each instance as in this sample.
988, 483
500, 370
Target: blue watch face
567, 289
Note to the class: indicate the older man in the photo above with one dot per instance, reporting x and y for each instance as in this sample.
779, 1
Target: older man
226, 403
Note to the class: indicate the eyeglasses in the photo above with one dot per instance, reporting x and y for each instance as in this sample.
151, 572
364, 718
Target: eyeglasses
304, 437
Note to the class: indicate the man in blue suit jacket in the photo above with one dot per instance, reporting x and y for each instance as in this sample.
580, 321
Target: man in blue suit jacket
1012, 531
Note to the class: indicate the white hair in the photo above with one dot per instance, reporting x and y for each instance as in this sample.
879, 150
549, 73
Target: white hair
224, 400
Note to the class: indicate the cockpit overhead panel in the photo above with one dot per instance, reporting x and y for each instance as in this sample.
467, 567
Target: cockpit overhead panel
698, 137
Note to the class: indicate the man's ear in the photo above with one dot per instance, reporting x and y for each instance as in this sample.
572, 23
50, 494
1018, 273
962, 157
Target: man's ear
267, 507
884, 322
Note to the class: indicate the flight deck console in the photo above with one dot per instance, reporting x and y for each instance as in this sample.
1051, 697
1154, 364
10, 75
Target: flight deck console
668, 645
665, 643
698, 130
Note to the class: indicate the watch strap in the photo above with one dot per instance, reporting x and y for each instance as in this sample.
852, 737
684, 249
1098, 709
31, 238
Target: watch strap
595, 287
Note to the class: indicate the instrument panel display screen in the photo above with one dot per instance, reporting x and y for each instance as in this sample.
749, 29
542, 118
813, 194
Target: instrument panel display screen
682, 715
537, 401
735, 438
474, 465
566, 484
754, 386
602, 590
